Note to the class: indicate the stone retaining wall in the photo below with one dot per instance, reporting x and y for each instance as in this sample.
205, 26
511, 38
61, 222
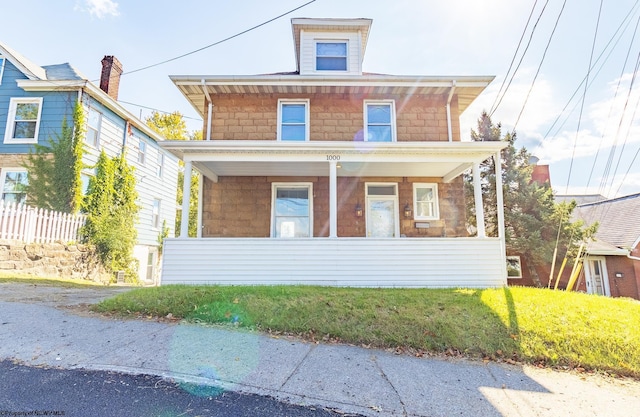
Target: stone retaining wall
51, 259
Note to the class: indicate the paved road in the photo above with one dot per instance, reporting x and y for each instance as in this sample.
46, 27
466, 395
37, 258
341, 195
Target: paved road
46, 331
82, 393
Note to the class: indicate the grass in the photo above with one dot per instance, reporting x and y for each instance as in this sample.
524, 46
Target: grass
529, 325
48, 281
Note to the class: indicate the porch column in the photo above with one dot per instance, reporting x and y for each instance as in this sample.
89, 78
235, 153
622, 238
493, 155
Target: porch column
477, 193
186, 193
499, 196
333, 199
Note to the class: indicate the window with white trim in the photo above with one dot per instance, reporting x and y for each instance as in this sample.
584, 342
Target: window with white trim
514, 267
2, 61
85, 179
160, 167
379, 121
331, 55
155, 214
23, 120
142, 151
94, 123
425, 201
291, 210
293, 120
13, 183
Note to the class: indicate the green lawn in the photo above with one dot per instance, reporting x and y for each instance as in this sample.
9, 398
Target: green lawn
531, 325
50, 281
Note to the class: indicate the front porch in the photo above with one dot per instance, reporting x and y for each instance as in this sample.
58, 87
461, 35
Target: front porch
354, 262
244, 242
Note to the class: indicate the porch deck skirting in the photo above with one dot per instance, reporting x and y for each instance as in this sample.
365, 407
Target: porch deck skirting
355, 262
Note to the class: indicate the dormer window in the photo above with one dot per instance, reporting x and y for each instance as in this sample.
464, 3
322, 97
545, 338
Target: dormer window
331, 56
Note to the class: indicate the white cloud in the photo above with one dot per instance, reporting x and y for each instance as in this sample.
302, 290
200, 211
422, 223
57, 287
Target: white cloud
98, 8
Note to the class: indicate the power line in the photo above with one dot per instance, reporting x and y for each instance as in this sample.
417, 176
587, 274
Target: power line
624, 65
521, 58
544, 54
524, 31
584, 95
157, 110
220, 41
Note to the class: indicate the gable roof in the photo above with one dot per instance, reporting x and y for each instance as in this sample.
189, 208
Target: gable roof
28, 68
619, 220
66, 77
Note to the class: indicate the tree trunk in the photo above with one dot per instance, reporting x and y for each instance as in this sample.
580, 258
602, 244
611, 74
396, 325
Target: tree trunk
533, 273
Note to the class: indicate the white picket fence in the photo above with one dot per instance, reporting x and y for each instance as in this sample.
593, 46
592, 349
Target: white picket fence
33, 225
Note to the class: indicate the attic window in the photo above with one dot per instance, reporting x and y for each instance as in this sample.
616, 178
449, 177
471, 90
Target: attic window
331, 56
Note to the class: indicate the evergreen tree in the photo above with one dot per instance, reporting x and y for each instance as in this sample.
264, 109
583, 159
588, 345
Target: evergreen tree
531, 216
111, 210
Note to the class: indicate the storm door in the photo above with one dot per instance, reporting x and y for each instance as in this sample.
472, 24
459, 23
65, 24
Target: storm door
382, 210
596, 276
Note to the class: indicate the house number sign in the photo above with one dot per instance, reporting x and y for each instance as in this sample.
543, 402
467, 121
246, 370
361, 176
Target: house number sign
333, 157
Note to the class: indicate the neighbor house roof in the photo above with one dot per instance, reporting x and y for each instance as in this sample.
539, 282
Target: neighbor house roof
618, 219
60, 77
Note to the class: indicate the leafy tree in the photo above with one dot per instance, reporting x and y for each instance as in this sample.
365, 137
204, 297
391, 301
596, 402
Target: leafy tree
173, 127
531, 216
112, 211
55, 169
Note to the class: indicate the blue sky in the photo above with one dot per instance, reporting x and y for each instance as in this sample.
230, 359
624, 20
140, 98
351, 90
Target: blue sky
593, 153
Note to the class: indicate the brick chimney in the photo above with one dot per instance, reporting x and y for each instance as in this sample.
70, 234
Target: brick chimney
110, 77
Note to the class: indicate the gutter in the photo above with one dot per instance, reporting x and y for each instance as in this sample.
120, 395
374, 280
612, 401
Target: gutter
453, 89
209, 110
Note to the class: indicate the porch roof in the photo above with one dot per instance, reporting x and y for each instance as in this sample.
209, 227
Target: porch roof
445, 160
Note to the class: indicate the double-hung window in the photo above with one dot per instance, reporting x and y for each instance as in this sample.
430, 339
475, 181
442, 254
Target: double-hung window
331, 55
13, 183
142, 151
155, 214
293, 120
425, 199
379, 121
94, 121
23, 120
291, 209
160, 167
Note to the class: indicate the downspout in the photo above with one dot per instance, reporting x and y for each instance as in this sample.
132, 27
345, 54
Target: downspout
453, 88
209, 110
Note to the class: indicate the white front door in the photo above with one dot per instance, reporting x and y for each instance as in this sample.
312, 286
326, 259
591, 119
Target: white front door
596, 276
382, 210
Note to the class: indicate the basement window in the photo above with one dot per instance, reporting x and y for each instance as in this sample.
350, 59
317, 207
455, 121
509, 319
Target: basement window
514, 267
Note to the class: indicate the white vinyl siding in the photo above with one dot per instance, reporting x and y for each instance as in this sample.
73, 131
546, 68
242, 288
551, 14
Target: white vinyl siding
425, 201
356, 262
23, 120
379, 121
308, 51
155, 214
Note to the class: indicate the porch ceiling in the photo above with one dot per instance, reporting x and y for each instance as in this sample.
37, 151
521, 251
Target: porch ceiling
445, 160
196, 88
